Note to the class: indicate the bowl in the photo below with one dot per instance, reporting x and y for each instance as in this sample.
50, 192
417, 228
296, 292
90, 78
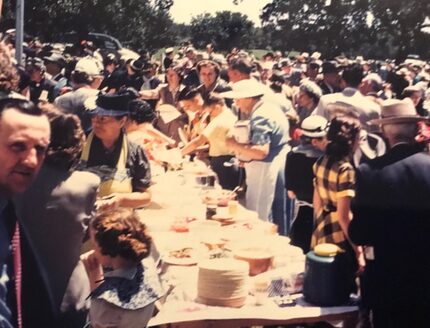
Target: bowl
218, 197
259, 260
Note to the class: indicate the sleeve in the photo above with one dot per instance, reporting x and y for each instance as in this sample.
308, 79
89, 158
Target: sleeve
209, 129
139, 167
346, 181
261, 131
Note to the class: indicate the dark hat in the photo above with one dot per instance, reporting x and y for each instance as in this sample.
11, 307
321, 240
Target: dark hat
108, 104
329, 67
35, 62
56, 58
137, 65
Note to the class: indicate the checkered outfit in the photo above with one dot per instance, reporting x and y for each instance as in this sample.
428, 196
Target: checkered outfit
333, 179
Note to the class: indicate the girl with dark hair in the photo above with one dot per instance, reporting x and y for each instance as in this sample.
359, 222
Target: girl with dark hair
124, 289
335, 187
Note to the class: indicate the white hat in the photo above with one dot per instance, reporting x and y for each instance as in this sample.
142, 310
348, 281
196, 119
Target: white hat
90, 66
245, 89
169, 50
314, 126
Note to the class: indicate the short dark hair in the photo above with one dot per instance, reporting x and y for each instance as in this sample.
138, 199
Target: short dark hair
214, 99
121, 233
208, 63
140, 111
353, 74
188, 93
242, 65
22, 105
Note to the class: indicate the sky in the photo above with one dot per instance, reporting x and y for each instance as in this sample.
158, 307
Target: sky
183, 10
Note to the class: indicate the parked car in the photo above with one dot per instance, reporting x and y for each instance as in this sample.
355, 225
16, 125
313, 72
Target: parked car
102, 41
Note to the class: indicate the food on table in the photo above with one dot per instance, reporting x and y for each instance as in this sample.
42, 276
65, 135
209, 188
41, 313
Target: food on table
181, 253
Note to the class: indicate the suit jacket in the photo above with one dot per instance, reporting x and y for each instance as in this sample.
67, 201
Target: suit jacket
54, 214
364, 107
391, 214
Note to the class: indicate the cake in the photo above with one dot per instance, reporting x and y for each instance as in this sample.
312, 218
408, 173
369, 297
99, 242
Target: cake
222, 282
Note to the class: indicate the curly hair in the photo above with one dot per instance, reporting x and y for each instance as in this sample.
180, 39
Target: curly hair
8, 74
67, 137
342, 134
141, 112
120, 233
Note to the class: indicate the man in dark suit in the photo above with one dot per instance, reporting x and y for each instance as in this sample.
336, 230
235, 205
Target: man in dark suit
391, 220
24, 138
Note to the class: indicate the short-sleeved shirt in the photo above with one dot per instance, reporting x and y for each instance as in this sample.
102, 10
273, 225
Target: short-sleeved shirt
333, 180
270, 126
137, 164
216, 133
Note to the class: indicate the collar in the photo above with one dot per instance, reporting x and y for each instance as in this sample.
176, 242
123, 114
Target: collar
126, 273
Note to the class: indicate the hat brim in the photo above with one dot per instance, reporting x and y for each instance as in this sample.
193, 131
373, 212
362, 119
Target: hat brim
93, 109
106, 112
240, 95
314, 134
397, 120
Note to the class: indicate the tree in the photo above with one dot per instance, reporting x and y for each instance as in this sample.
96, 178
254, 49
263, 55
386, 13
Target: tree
140, 24
331, 27
402, 20
225, 29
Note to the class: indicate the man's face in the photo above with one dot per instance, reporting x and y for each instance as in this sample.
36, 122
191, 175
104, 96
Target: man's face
192, 105
234, 75
23, 143
207, 75
244, 104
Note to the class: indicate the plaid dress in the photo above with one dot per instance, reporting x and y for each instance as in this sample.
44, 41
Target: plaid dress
333, 179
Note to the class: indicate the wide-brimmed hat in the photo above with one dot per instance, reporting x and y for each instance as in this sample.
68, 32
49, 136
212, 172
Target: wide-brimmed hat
137, 65
108, 105
314, 126
245, 89
55, 58
397, 111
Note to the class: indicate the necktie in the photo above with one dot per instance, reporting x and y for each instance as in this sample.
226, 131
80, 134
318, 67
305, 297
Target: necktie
16, 252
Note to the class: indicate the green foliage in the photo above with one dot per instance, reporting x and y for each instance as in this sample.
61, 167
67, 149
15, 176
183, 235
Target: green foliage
225, 29
374, 28
140, 24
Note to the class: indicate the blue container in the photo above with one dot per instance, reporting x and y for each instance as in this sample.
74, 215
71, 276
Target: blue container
327, 280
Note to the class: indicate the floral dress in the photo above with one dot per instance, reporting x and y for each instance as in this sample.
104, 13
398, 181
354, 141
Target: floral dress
125, 298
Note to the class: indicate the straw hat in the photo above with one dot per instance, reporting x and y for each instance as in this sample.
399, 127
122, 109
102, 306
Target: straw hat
245, 89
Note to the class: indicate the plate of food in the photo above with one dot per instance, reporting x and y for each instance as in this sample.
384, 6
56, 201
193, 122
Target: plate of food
182, 256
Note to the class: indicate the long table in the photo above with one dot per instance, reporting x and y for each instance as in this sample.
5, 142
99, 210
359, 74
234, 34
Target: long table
175, 197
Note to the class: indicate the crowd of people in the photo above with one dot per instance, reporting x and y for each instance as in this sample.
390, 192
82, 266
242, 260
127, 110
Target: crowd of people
331, 151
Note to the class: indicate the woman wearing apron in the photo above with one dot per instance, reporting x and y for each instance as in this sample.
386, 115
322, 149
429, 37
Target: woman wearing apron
122, 165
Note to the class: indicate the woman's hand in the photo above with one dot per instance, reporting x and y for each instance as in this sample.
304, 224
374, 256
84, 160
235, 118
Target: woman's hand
108, 203
93, 268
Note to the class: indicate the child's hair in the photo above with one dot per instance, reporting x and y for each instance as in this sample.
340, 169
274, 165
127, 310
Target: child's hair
120, 233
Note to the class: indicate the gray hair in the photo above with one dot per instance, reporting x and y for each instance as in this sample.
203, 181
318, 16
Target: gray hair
311, 89
400, 132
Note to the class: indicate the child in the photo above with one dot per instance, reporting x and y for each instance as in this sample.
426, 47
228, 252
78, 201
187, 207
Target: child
124, 296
